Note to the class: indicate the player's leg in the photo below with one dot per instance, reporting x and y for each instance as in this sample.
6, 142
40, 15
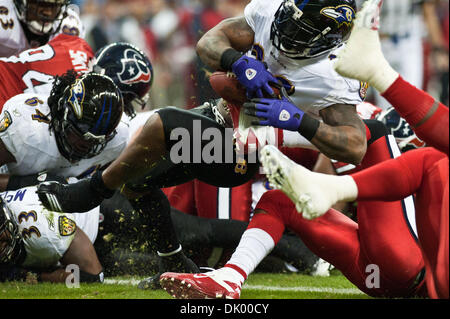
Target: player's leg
428, 117
432, 224
442, 268
390, 224
362, 59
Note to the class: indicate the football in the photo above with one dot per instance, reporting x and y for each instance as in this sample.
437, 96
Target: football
227, 86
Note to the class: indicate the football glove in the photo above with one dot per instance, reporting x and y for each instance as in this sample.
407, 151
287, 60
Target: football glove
254, 76
275, 112
78, 197
281, 113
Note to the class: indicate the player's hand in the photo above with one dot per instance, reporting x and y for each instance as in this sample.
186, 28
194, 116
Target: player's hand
275, 112
71, 198
254, 76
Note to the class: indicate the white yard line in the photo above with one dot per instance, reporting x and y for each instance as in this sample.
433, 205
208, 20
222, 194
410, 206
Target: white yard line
346, 291
343, 291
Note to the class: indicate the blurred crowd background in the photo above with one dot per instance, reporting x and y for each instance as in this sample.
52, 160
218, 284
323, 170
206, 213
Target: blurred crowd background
168, 30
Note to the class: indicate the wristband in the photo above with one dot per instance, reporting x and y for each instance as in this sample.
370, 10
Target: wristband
228, 57
99, 186
308, 127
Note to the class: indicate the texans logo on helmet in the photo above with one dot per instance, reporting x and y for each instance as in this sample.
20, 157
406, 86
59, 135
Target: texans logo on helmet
134, 69
342, 14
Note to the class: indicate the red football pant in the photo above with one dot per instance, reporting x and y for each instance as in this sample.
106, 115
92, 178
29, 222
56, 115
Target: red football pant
381, 239
337, 239
423, 172
427, 117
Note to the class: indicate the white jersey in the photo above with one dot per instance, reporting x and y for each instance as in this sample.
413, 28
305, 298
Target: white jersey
47, 235
24, 130
12, 35
316, 84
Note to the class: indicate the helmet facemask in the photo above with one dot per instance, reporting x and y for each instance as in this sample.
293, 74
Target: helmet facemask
83, 127
74, 139
301, 34
40, 16
133, 102
9, 236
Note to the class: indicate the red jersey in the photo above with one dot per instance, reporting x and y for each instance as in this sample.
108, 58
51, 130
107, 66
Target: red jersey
33, 70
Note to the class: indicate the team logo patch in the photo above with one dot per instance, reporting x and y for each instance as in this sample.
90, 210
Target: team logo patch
5, 122
342, 14
66, 226
250, 74
76, 98
363, 87
284, 116
134, 69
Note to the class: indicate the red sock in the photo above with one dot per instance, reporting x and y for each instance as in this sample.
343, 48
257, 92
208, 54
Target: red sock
414, 105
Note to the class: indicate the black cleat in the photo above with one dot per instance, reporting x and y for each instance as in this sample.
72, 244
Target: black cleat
175, 263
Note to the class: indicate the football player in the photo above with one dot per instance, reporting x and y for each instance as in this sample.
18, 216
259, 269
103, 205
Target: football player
37, 241
29, 71
301, 63
423, 172
70, 132
32, 23
131, 71
293, 44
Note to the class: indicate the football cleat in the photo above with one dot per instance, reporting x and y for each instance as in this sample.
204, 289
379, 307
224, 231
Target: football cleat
362, 57
178, 262
282, 175
321, 268
210, 285
312, 193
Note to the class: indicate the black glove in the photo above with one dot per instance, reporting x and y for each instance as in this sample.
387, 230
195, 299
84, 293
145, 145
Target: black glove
15, 181
74, 198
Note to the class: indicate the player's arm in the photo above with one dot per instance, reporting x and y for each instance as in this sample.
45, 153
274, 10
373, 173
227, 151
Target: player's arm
81, 253
5, 158
223, 47
5, 155
341, 135
229, 33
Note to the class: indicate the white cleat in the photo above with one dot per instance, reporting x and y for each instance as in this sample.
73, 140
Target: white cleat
295, 181
321, 268
362, 57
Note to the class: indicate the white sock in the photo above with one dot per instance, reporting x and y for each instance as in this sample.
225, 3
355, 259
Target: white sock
254, 246
344, 187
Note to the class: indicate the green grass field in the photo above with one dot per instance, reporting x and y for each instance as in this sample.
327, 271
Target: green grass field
258, 286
